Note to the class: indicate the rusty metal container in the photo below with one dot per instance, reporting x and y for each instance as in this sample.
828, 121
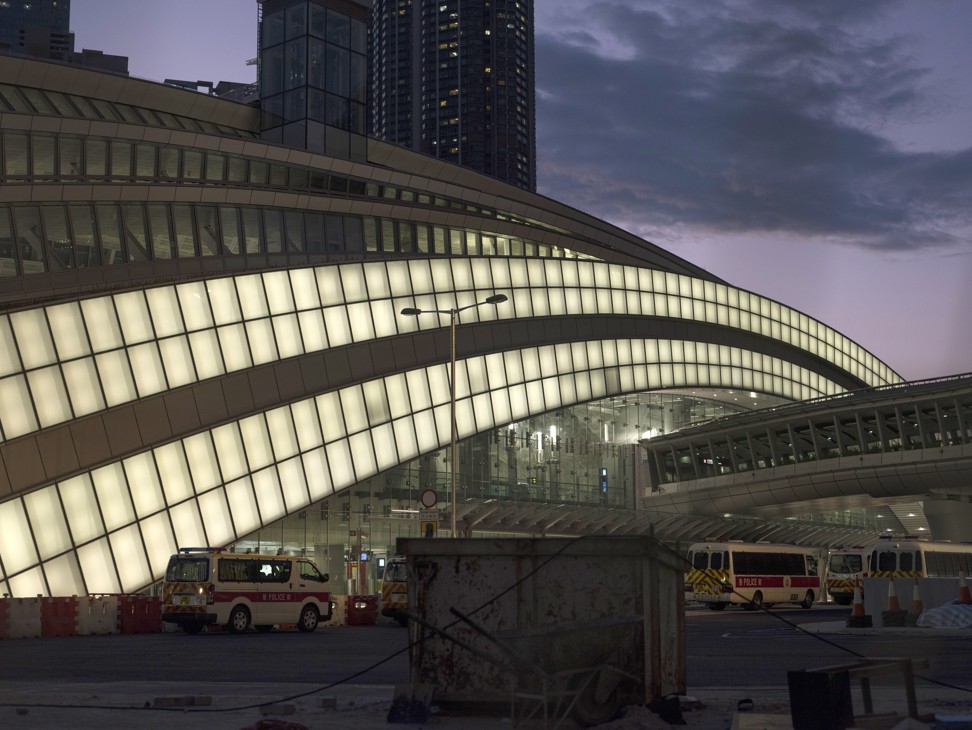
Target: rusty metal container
497, 617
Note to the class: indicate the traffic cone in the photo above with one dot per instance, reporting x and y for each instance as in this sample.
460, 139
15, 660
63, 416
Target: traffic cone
893, 604
858, 619
894, 616
964, 596
916, 605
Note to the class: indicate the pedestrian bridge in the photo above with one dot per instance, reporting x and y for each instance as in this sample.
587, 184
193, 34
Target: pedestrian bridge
894, 445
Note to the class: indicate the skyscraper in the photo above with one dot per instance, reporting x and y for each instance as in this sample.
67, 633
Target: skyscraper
42, 29
314, 74
38, 28
455, 79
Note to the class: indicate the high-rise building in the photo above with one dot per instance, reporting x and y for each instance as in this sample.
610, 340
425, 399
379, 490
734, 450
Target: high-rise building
38, 28
455, 79
313, 61
42, 29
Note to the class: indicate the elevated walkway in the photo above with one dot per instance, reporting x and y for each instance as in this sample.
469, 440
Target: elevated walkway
893, 444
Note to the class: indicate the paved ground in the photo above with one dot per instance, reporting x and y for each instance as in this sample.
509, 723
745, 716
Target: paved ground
234, 706
365, 707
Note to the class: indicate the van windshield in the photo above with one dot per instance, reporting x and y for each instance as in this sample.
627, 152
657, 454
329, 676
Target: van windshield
845, 563
395, 572
184, 569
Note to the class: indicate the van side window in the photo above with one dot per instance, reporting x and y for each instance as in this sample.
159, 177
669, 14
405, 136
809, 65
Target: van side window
274, 571
309, 571
232, 570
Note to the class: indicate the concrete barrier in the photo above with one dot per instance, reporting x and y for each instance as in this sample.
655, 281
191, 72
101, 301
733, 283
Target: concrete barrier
23, 618
97, 615
139, 614
59, 616
339, 612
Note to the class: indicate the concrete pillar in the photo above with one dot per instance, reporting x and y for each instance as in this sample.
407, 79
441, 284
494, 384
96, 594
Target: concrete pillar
949, 519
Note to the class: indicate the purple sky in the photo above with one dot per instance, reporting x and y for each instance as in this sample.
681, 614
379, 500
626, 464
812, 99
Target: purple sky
818, 153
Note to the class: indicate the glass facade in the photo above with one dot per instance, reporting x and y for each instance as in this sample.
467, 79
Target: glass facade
236, 369
314, 77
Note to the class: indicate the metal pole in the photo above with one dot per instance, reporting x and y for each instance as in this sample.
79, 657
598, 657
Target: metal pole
452, 389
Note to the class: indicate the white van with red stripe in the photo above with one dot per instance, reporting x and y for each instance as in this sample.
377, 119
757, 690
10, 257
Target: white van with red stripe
208, 586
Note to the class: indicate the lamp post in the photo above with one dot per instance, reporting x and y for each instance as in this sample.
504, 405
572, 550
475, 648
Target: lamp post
453, 318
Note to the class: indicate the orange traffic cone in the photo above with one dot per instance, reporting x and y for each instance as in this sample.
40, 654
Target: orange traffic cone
916, 606
858, 619
893, 604
964, 596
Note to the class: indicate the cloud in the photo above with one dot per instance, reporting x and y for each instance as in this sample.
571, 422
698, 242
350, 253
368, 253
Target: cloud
734, 116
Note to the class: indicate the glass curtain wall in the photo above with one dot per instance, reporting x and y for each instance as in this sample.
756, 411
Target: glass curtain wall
584, 455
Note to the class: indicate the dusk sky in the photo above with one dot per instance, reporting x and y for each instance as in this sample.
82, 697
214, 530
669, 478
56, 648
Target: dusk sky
818, 153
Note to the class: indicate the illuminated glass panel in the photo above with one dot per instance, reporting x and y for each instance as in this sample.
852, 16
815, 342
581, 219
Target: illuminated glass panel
158, 541
206, 354
98, 567
318, 476
177, 361
64, 576
362, 451
266, 485
280, 425
279, 297
339, 459
293, 484
16, 542
308, 427
223, 299
44, 511
194, 302
133, 568
134, 316
187, 524
33, 338
216, 517
243, 506
50, 397
229, 448
67, 327
164, 308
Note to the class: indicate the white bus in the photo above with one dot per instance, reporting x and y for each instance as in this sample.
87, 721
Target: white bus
845, 567
911, 558
208, 586
751, 575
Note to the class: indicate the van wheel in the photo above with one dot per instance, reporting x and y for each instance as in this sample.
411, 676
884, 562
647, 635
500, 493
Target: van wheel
755, 603
807, 600
194, 628
308, 619
239, 620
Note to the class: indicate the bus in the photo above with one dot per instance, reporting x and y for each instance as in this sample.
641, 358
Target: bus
845, 568
394, 590
914, 558
210, 586
751, 575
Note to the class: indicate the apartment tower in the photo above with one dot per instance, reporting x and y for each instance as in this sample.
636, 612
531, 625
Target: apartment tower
455, 79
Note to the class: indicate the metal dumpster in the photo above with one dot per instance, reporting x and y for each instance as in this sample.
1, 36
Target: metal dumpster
590, 623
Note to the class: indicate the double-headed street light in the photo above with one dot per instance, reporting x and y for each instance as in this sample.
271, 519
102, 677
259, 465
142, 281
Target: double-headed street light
453, 318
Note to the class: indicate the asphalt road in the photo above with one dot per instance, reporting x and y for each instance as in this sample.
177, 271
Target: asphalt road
756, 649
723, 649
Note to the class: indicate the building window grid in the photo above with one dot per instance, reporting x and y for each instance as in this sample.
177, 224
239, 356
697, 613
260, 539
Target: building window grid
196, 167
522, 304
540, 386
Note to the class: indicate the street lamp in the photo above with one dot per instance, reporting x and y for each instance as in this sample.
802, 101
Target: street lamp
453, 318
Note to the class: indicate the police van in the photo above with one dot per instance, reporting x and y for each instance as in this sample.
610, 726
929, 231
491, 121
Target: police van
209, 586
